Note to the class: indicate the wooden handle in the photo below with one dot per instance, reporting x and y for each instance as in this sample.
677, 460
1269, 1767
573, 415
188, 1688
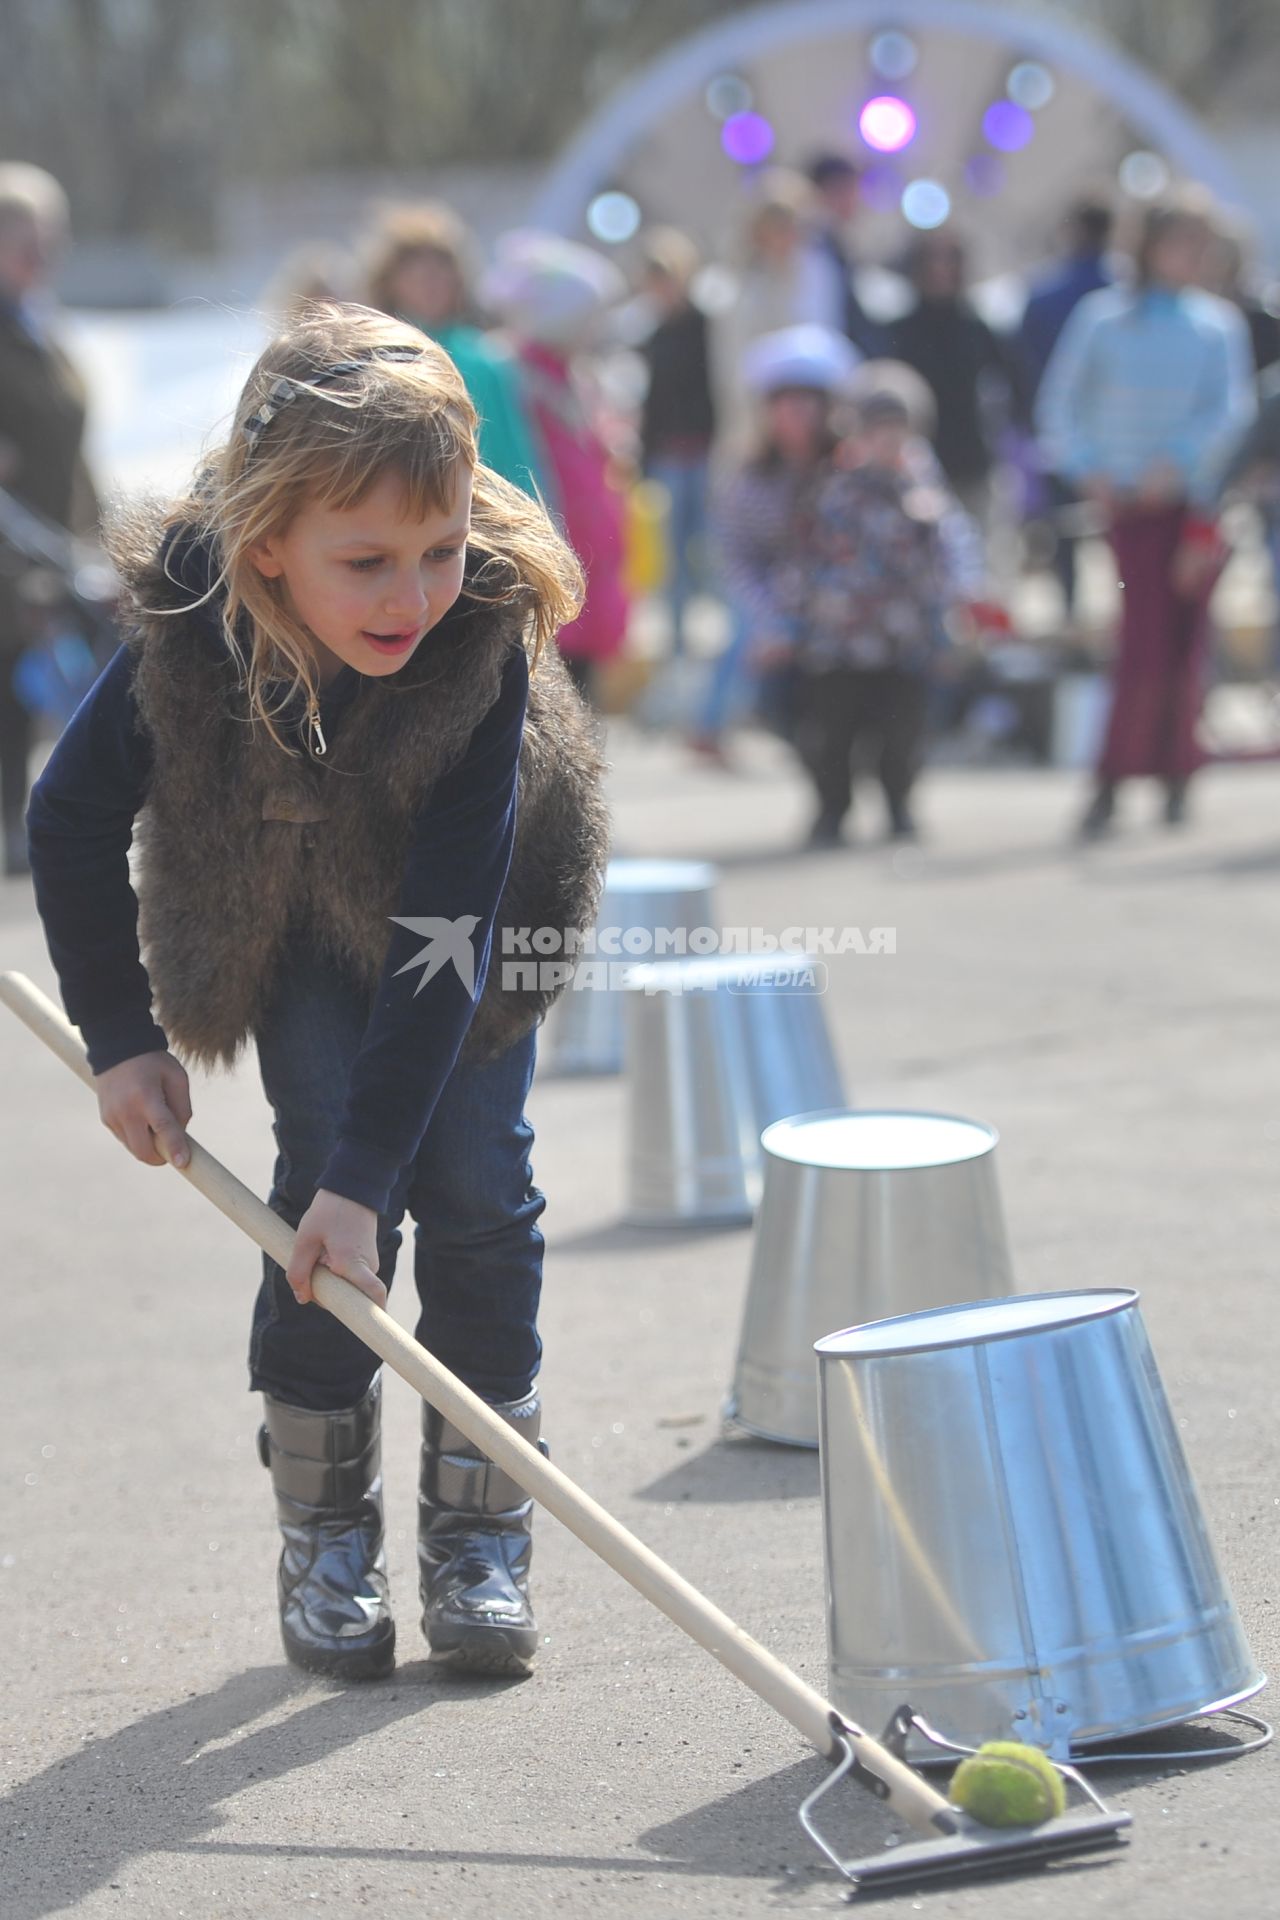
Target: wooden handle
908, 1794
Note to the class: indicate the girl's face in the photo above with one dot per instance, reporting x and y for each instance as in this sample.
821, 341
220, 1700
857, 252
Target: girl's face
367, 582
795, 418
427, 286
1177, 258
775, 236
884, 443
940, 270
28, 253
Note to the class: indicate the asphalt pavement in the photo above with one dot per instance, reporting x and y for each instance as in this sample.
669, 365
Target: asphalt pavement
1112, 1011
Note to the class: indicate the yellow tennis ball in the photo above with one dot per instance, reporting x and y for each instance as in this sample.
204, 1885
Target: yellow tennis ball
1005, 1784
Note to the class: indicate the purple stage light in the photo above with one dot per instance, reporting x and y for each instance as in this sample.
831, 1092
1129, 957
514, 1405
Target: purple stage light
880, 184
1008, 128
887, 123
747, 138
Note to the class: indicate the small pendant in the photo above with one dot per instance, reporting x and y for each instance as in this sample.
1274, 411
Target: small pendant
321, 745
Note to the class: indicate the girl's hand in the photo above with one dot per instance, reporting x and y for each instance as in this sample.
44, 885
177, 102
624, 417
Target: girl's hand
146, 1102
770, 651
1201, 556
1161, 484
343, 1236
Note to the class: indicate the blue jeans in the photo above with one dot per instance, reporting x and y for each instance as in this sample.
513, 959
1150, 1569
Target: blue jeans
685, 480
469, 1190
732, 687
1271, 529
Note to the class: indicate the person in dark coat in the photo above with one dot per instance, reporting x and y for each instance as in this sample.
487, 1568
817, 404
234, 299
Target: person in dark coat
42, 416
1053, 297
834, 180
1056, 293
967, 369
678, 421
1229, 272
1253, 470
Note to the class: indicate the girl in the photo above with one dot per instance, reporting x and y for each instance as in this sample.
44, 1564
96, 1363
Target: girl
874, 576
794, 376
553, 296
418, 269
677, 421
1146, 391
787, 279
335, 683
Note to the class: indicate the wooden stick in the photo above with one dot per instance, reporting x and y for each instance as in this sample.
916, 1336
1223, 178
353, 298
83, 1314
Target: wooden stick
908, 1793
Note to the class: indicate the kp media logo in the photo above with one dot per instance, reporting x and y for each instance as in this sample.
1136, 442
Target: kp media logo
449, 943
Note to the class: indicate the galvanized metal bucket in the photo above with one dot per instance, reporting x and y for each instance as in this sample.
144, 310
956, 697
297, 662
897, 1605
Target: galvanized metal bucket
644, 908
1014, 1542
863, 1215
716, 1049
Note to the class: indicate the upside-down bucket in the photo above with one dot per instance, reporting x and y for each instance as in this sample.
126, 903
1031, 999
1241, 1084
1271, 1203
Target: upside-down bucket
864, 1214
647, 908
717, 1048
1014, 1542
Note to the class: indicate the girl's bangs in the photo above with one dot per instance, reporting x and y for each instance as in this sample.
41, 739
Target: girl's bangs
427, 456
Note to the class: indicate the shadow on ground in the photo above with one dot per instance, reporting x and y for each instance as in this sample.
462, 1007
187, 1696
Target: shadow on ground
739, 1469
619, 1237
155, 1787
1247, 864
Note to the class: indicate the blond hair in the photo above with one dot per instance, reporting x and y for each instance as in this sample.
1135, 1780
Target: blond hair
783, 197
29, 193
667, 250
325, 415
1191, 208
404, 232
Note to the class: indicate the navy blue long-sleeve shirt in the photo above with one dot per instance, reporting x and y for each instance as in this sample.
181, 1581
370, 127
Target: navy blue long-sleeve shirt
80, 827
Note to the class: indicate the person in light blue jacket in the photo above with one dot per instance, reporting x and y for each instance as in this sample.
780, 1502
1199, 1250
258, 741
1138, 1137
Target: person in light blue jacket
1144, 396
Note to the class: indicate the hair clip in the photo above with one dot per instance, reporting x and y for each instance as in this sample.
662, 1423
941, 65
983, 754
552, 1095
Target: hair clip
287, 388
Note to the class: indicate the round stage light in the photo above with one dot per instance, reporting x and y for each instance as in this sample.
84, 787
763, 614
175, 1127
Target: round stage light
887, 124
1030, 85
613, 217
925, 204
1144, 175
893, 55
1008, 127
747, 138
727, 94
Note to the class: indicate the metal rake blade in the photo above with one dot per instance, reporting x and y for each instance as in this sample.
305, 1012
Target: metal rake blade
970, 1850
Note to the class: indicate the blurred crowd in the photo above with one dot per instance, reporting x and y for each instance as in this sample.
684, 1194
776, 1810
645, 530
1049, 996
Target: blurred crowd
851, 467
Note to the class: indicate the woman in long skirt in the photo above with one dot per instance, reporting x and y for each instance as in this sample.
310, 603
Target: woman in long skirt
1143, 397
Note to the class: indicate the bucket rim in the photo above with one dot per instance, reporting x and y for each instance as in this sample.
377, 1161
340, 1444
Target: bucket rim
852, 1342
791, 1126
704, 972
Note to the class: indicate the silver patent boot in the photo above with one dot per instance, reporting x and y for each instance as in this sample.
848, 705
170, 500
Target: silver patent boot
474, 1547
326, 1470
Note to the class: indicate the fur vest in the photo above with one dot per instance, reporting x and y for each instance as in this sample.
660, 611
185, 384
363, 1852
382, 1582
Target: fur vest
241, 846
